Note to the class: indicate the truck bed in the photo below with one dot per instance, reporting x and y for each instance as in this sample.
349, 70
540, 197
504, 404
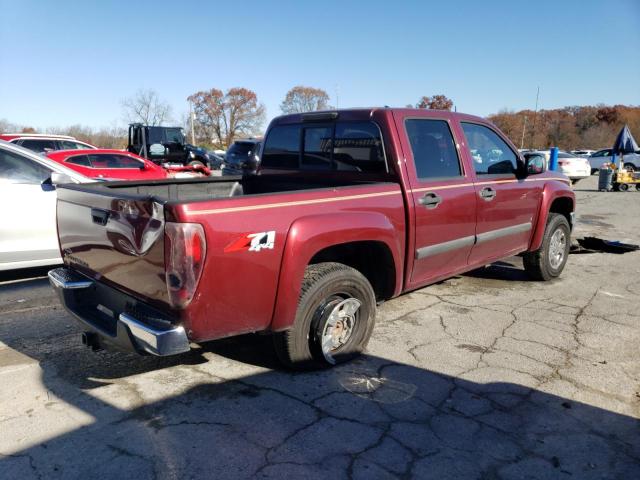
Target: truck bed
206, 189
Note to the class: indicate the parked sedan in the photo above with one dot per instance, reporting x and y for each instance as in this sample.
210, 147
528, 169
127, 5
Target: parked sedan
41, 143
631, 160
28, 235
105, 164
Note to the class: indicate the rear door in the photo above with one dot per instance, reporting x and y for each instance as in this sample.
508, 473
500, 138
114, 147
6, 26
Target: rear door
506, 204
443, 199
27, 212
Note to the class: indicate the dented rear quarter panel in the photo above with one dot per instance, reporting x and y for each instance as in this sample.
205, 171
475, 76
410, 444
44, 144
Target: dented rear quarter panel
246, 291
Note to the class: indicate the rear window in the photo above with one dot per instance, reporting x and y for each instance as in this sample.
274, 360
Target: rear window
242, 148
348, 146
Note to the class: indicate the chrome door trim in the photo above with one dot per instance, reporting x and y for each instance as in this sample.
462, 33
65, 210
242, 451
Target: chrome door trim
503, 232
438, 248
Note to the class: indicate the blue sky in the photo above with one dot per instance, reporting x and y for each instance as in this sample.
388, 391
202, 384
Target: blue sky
68, 62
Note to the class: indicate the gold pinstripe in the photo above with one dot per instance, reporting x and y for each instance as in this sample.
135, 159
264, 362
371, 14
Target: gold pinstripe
356, 197
291, 204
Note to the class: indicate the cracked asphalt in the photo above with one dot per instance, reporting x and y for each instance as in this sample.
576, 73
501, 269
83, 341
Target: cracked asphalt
487, 375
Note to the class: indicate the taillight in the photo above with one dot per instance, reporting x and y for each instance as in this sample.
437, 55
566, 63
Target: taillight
185, 249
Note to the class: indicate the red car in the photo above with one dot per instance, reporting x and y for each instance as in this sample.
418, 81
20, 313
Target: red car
348, 208
106, 164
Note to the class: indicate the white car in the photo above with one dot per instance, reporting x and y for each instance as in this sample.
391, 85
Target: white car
631, 160
44, 142
28, 233
574, 167
582, 153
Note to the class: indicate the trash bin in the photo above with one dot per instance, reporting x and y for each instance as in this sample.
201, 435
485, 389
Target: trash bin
605, 178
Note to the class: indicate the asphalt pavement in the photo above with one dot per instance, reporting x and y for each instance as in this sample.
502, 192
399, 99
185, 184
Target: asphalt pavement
486, 375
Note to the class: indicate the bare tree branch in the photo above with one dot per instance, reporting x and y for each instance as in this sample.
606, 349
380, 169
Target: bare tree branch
146, 107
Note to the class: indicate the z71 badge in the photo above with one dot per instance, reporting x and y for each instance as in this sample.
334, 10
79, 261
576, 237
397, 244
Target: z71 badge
252, 242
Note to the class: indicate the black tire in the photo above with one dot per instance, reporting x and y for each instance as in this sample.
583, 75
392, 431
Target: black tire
538, 264
638, 186
324, 287
623, 187
594, 171
630, 166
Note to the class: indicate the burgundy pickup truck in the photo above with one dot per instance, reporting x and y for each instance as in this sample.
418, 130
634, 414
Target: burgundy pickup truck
349, 208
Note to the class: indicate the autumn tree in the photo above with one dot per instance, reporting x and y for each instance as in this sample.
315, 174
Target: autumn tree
436, 102
146, 107
223, 117
304, 99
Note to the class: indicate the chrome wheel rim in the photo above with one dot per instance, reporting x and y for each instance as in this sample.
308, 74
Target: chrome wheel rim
339, 327
557, 248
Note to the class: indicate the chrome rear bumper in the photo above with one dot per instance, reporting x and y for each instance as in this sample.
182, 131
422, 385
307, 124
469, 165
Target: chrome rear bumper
103, 310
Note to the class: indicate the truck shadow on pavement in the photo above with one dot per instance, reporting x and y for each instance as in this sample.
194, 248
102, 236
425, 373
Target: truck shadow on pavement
224, 412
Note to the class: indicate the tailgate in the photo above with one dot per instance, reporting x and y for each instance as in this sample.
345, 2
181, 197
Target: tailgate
115, 239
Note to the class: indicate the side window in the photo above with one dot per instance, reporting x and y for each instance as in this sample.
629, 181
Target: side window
17, 169
81, 160
113, 161
282, 147
317, 148
69, 145
358, 146
491, 155
434, 151
39, 145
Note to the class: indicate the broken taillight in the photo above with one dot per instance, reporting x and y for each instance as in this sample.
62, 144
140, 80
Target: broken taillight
184, 253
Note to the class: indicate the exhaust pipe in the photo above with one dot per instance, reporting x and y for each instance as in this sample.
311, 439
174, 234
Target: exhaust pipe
90, 340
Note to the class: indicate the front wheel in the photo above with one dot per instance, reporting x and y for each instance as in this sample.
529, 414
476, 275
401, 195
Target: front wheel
549, 260
335, 318
630, 167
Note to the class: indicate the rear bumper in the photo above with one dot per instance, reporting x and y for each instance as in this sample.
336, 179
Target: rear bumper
116, 318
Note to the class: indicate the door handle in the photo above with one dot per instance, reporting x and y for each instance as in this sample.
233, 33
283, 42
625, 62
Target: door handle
430, 200
487, 194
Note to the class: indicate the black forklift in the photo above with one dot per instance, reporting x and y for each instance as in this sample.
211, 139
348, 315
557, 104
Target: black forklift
165, 146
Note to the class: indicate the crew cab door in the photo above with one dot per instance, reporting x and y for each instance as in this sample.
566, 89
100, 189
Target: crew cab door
507, 205
443, 196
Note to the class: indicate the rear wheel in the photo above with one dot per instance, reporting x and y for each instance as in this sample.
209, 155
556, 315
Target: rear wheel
630, 167
335, 318
549, 260
623, 187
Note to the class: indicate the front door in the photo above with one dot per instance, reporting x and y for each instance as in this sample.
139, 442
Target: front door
444, 206
506, 204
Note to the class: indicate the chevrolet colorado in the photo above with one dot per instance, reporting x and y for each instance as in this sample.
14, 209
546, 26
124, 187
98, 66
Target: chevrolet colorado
349, 208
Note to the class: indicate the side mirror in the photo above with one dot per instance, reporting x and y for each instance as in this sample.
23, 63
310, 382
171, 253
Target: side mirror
60, 178
534, 165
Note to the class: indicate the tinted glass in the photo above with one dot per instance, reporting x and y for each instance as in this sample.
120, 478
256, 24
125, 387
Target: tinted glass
39, 145
282, 147
79, 160
17, 169
113, 161
358, 146
434, 151
491, 155
242, 148
165, 135
69, 145
317, 148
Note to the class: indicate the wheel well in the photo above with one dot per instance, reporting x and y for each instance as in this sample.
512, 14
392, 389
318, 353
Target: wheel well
371, 258
564, 206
